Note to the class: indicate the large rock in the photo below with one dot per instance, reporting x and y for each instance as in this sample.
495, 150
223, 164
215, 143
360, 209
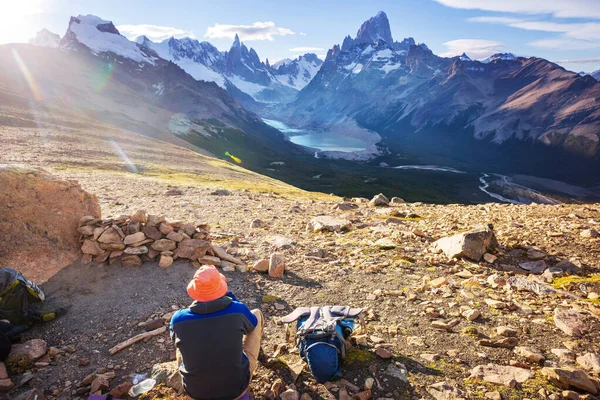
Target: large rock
379, 201
39, 218
164, 245
326, 223
134, 238
522, 284
570, 322
152, 232
167, 374
501, 374
131, 261
111, 236
566, 378
276, 265
281, 242
445, 391
91, 247
24, 355
192, 249
473, 244
590, 362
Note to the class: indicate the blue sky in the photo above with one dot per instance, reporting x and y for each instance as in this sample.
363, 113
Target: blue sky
564, 31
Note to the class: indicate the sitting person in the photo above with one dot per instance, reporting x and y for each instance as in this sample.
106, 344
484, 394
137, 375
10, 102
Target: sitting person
215, 360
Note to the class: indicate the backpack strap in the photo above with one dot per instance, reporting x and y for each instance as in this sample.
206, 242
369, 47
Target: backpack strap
309, 324
346, 311
295, 315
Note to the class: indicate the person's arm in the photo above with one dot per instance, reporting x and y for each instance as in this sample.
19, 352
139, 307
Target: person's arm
171, 331
250, 320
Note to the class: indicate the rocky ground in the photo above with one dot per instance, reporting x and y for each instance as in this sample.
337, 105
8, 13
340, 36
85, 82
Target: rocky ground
522, 322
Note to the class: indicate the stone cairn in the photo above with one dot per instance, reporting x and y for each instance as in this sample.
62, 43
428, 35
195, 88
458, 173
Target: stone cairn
141, 237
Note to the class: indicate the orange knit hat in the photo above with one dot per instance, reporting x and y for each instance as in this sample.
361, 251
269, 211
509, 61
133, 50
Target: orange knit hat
208, 284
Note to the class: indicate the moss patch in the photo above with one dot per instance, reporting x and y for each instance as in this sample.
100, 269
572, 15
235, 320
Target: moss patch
566, 281
356, 356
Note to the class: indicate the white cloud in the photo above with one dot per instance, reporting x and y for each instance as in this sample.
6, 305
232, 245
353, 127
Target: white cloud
565, 44
576, 36
475, 48
302, 33
557, 8
580, 61
256, 31
306, 49
153, 32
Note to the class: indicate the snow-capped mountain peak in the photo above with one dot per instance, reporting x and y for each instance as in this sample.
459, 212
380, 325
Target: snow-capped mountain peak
299, 72
464, 57
499, 56
374, 29
279, 63
45, 38
101, 36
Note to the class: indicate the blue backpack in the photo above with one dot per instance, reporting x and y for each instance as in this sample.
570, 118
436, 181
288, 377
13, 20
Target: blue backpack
322, 334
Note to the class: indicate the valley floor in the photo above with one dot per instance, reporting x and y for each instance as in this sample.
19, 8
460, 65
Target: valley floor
398, 287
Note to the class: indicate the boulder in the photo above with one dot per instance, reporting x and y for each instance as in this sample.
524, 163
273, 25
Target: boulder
131, 261
91, 247
289, 394
570, 322
257, 223
531, 353
134, 238
501, 375
522, 284
164, 245
176, 236
473, 244
386, 244
111, 236
165, 228
167, 373
397, 200
327, 223
445, 391
379, 201
136, 250
210, 260
188, 228
281, 242
261, 265
6, 385
100, 383
192, 249
40, 215
165, 261
25, 354
590, 362
152, 232
345, 206
139, 216
566, 378
534, 267
223, 255
276, 265
120, 391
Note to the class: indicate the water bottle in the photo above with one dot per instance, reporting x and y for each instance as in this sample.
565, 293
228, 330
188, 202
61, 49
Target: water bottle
142, 387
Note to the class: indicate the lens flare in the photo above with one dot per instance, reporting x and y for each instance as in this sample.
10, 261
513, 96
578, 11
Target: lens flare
130, 165
33, 86
100, 80
234, 158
